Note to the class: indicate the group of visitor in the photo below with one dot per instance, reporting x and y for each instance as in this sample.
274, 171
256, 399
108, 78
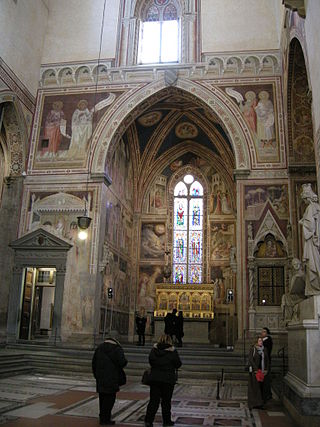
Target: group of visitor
107, 366
109, 360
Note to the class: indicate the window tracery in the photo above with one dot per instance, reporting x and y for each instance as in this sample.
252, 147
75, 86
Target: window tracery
188, 231
169, 12
159, 38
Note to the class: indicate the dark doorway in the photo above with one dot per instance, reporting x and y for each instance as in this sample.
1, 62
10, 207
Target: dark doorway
37, 303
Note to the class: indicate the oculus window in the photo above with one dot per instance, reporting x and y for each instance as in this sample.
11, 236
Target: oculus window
188, 231
159, 33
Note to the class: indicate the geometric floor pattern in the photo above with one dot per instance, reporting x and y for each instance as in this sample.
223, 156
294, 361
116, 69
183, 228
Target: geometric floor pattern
49, 401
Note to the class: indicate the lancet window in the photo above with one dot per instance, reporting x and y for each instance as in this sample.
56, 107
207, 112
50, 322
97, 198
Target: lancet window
159, 33
188, 231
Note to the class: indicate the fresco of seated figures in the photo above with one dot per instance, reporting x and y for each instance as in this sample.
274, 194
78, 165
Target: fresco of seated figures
66, 125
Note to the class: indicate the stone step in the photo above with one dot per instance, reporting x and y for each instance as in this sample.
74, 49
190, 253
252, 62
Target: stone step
198, 363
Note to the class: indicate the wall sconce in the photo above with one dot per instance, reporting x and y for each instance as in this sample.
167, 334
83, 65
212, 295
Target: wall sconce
84, 221
83, 224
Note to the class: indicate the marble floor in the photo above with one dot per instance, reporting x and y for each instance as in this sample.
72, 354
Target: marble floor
45, 401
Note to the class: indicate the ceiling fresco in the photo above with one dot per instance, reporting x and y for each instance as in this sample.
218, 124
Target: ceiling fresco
175, 120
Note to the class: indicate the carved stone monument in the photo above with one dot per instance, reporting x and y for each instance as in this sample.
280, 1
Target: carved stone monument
290, 300
302, 383
311, 233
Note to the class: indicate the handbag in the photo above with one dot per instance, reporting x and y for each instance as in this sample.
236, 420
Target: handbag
146, 377
259, 376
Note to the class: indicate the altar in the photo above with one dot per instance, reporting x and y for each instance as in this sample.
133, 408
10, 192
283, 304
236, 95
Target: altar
196, 303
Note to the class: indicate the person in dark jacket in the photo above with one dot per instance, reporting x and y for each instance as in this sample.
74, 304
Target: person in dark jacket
267, 344
257, 359
170, 323
141, 321
107, 367
164, 360
179, 328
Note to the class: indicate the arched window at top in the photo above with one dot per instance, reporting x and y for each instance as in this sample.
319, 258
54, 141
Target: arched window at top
159, 40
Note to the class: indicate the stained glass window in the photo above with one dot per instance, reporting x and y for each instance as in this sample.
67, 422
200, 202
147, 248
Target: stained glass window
188, 231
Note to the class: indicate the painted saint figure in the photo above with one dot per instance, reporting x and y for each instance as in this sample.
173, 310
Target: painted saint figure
52, 128
265, 120
248, 109
81, 129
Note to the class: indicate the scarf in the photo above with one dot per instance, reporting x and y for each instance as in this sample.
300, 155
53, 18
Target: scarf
260, 351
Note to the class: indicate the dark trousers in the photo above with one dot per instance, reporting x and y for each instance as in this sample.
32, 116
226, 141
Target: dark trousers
267, 393
159, 392
106, 402
142, 339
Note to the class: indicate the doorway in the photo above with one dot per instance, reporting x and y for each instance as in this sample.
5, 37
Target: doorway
37, 303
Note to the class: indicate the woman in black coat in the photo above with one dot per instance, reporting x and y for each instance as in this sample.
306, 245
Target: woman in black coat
107, 367
164, 360
257, 359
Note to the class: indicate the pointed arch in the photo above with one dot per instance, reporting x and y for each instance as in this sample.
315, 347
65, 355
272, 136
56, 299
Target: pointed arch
121, 115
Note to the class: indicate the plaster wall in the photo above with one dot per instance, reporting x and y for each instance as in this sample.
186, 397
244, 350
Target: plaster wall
229, 25
73, 32
313, 48
22, 29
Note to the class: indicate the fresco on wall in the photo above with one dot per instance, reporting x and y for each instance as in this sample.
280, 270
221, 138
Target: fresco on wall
218, 281
153, 239
118, 231
220, 201
256, 198
117, 275
257, 104
149, 276
186, 130
67, 123
270, 248
300, 119
150, 119
57, 213
222, 239
121, 173
156, 200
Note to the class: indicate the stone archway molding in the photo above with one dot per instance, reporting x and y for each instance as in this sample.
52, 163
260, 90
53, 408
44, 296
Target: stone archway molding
215, 100
16, 134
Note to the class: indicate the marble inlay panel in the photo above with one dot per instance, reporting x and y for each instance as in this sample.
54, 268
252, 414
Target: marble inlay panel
37, 410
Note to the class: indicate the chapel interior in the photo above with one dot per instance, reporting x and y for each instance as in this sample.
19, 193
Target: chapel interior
153, 154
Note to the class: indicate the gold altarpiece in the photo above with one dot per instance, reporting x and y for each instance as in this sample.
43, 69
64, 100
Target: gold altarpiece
196, 301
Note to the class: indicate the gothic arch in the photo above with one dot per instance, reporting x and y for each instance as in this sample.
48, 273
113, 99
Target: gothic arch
117, 119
